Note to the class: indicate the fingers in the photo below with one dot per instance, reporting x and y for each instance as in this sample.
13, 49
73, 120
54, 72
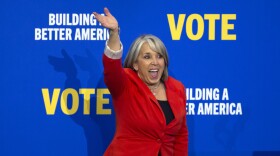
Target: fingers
107, 21
96, 14
64, 53
98, 17
107, 12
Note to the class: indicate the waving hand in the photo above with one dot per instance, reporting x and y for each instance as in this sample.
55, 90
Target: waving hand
108, 21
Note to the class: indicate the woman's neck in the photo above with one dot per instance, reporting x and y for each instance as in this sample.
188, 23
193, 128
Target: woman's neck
154, 88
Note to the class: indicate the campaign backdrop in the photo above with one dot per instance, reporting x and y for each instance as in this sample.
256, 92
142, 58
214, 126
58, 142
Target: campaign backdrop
54, 101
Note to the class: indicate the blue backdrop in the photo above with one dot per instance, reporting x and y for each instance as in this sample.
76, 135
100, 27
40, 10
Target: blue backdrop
247, 67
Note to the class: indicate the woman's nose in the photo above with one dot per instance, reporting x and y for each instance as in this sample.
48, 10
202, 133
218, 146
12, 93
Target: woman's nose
155, 61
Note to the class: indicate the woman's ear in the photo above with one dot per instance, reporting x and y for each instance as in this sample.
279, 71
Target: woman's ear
135, 66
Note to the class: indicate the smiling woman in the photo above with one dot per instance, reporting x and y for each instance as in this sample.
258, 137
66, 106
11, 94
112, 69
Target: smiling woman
148, 57
150, 106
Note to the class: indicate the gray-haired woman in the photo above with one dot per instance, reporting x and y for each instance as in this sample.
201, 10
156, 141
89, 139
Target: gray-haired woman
150, 106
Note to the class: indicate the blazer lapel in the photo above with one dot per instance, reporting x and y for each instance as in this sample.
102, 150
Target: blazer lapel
173, 99
141, 84
172, 95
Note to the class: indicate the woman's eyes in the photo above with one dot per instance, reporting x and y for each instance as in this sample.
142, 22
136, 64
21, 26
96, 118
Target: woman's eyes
159, 56
148, 56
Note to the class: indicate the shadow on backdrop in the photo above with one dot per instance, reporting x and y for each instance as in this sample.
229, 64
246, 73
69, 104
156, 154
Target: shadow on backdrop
98, 129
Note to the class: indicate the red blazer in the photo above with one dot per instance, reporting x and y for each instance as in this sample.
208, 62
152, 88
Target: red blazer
140, 122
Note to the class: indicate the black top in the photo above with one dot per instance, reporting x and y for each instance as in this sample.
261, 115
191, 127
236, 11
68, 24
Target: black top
169, 116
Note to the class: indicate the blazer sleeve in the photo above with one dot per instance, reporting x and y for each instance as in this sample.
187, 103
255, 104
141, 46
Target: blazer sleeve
181, 139
114, 75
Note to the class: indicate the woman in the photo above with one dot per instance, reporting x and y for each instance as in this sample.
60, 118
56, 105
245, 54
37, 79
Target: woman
150, 106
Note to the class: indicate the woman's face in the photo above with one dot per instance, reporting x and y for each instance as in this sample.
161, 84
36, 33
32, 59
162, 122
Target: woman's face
149, 65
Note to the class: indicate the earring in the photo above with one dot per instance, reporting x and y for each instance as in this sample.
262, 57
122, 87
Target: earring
134, 68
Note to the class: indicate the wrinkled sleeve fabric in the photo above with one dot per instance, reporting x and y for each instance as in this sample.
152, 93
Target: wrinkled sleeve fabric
181, 139
112, 54
114, 75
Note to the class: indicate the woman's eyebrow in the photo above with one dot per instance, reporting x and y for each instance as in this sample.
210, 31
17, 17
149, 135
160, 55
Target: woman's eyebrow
147, 52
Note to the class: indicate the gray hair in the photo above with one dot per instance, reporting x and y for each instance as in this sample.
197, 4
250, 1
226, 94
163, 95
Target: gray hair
155, 44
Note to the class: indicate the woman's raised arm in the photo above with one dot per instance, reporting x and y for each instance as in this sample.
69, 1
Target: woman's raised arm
110, 22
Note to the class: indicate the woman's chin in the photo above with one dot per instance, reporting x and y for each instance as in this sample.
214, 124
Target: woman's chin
153, 81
